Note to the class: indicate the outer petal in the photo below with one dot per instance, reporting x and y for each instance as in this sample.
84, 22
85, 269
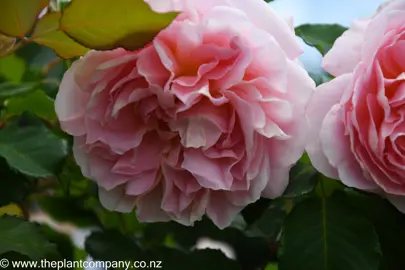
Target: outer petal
166, 5
221, 211
258, 11
116, 199
257, 185
397, 201
321, 102
149, 207
336, 146
210, 173
390, 5
277, 182
286, 152
262, 15
81, 156
88, 64
382, 30
70, 103
346, 52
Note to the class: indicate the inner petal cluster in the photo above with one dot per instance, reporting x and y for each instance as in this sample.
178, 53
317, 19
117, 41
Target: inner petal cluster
376, 112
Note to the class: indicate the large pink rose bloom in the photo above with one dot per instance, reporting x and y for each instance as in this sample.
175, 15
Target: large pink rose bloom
205, 120
358, 119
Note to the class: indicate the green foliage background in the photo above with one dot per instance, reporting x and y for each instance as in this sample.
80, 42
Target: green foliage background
318, 224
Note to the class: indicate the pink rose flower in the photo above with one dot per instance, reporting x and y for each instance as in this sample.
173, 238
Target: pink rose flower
206, 119
357, 119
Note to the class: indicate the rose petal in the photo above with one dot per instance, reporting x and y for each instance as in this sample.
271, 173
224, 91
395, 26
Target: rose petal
116, 199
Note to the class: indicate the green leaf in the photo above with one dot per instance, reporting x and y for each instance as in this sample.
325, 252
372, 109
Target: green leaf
80, 255
73, 183
271, 267
303, 180
320, 36
254, 211
251, 252
14, 187
30, 147
327, 186
23, 237
326, 234
35, 102
388, 222
271, 221
112, 246
17, 17
8, 89
208, 258
174, 259
48, 33
43, 67
305, 159
36, 55
68, 209
126, 223
131, 24
62, 241
12, 68
320, 77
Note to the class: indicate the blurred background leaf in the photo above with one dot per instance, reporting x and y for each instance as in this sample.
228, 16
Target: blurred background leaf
320, 36
303, 180
17, 17
12, 68
388, 222
324, 233
48, 33
36, 102
23, 237
68, 209
30, 147
131, 24
14, 187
